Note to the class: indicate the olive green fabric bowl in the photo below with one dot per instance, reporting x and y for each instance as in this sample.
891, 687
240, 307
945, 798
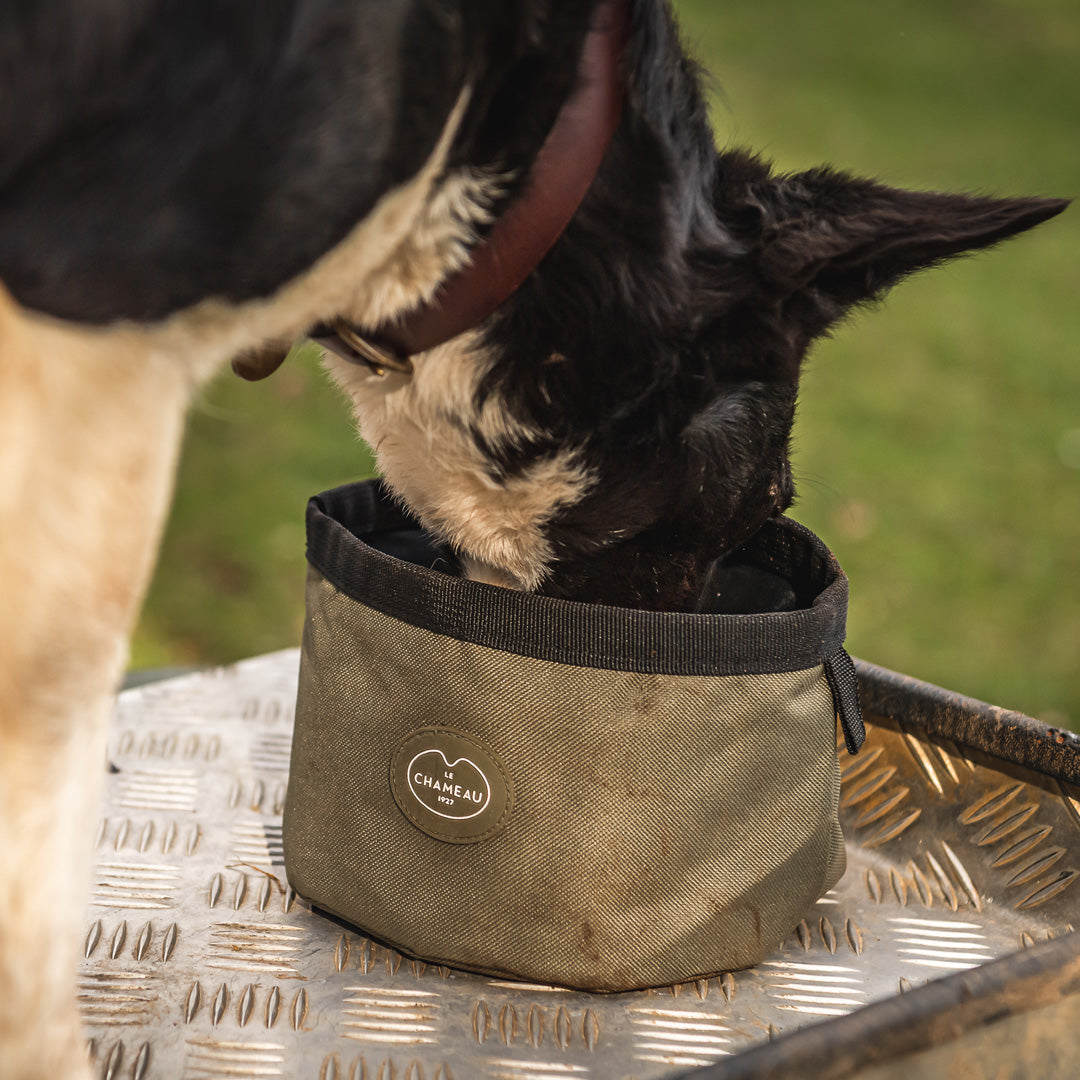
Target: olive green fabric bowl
565, 793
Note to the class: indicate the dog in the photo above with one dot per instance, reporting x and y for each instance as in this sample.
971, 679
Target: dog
186, 184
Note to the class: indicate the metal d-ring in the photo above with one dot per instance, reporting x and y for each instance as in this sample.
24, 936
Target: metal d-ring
378, 357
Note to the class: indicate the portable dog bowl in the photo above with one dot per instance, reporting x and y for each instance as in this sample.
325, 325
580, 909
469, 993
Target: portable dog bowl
565, 793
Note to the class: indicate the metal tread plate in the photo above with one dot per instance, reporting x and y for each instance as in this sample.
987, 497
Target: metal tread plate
201, 963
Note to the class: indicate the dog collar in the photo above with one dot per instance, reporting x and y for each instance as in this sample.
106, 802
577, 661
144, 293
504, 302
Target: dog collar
554, 189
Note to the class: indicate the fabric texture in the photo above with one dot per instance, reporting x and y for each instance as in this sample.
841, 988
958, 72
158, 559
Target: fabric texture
486, 800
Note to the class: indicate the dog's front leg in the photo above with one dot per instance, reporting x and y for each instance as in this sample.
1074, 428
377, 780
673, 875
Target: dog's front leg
90, 424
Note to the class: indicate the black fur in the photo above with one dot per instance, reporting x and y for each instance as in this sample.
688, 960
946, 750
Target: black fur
167, 150
155, 152
665, 332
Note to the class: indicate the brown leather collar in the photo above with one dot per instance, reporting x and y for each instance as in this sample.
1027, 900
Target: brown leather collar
561, 175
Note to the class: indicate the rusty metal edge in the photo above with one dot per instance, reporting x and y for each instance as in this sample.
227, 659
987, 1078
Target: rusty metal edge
1004, 734
939, 1013
946, 1009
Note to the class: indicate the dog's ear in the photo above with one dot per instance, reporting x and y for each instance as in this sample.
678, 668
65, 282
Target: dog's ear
827, 240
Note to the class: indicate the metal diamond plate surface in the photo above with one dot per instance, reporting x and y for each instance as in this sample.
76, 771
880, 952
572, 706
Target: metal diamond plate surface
201, 963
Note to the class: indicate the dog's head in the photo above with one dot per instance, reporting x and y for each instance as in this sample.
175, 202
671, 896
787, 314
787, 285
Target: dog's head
681, 306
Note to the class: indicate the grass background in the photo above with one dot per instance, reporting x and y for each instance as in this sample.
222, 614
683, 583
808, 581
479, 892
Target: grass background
938, 441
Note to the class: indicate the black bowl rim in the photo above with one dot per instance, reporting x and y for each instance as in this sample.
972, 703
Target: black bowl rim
571, 632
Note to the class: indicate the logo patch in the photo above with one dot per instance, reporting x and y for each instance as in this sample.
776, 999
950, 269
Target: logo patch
457, 790
450, 786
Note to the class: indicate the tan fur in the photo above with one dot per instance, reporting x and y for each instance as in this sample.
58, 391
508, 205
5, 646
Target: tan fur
422, 429
89, 433
436, 246
90, 425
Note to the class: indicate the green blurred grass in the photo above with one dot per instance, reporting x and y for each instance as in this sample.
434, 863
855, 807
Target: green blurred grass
230, 580
938, 445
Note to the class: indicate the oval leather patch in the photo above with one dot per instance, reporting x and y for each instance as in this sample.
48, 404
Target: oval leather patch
450, 786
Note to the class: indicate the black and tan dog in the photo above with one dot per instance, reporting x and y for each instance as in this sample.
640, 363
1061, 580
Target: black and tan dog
571, 328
